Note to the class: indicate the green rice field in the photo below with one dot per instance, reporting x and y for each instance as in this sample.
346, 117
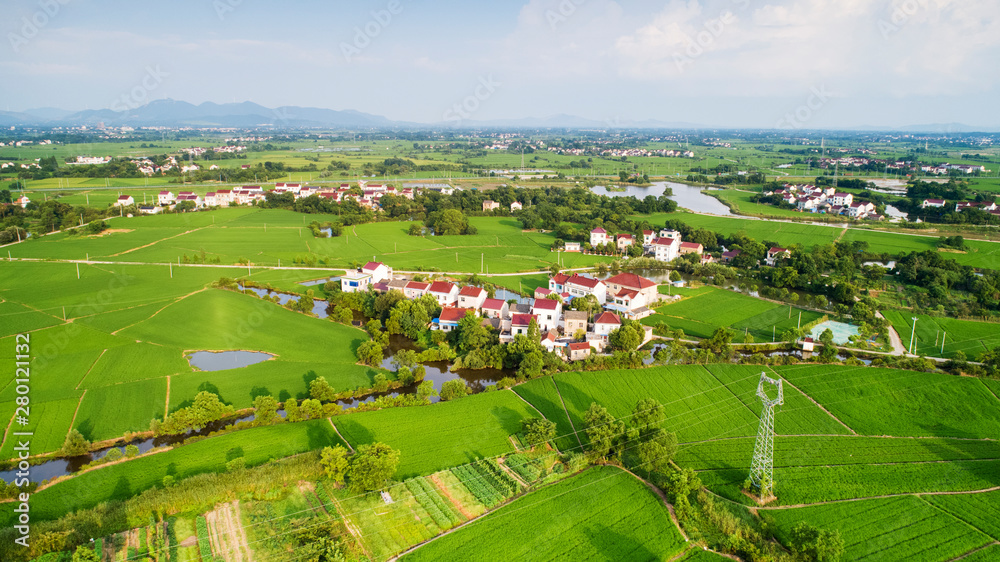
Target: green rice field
970, 337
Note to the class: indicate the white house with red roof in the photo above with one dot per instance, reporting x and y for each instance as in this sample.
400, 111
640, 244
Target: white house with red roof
519, 323
578, 351
23, 201
572, 247
490, 205
557, 282
378, 270
624, 241
223, 197
860, 209
124, 201
581, 286
165, 198
450, 317
776, 253
445, 293
633, 282
211, 199
416, 289
516, 206
598, 236
495, 308
471, 297
666, 249
647, 237
842, 199
605, 323
548, 312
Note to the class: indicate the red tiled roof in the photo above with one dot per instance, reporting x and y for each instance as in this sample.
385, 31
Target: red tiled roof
546, 304
441, 287
550, 335
588, 282
543, 291
417, 285
452, 314
470, 291
776, 250
626, 293
560, 278
647, 232
371, 266
598, 231
493, 304
625, 236
630, 280
578, 346
521, 319
663, 242
607, 318
692, 245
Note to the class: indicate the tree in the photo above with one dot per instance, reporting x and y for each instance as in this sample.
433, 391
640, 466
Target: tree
471, 334
656, 453
826, 338
647, 417
454, 389
603, 430
265, 410
311, 409
372, 467
75, 444
425, 390
334, 462
532, 364
450, 222
538, 430
370, 353
627, 337
408, 318
85, 553
814, 544
208, 408
719, 342
292, 410
131, 451
321, 390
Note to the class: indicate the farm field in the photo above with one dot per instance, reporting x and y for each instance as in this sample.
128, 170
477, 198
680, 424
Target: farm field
601, 513
976, 509
543, 395
970, 337
892, 528
431, 438
711, 308
903, 403
740, 203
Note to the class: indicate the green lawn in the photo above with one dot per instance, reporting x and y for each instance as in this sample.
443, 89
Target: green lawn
602, 514
431, 438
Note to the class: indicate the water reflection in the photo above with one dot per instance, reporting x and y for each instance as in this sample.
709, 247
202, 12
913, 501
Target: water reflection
687, 196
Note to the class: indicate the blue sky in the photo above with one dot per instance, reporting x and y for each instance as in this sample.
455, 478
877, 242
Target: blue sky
723, 63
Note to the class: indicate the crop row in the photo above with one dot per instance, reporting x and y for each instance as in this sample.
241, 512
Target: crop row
484, 491
496, 476
204, 545
429, 498
528, 469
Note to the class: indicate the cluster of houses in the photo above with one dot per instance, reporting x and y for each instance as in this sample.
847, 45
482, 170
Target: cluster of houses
198, 151
569, 333
942, 169
665, 245
988, 206
809, 198
490, 205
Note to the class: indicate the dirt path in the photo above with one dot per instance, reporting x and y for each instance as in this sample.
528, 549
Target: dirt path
513, 474
166, 405
663, 497
346, 442
159, 310
75, 412
841, 235
918, 494
77, 387
897, 343
226, 533
973, 551
563, 402
351, 528
820, 406
444, 491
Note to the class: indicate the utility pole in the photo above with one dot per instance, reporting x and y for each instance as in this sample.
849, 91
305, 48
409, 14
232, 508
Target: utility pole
942, 343
912, 333
762, 467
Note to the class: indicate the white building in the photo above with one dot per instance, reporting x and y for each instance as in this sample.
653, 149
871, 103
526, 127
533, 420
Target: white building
124, 201
580, 286
471, 297
666, 249
841, 199
606, 323
548, 312
598, 236
355, 281
445, 293
378, 270
165, 198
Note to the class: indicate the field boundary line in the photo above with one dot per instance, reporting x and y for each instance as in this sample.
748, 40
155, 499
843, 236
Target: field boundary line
353, 529
159, 310
565, 411
820, 406
75, 412
7, 429
971, 552
884, 496
158, 241
166, 405
77, 387
337, 431
956, 517
988, 389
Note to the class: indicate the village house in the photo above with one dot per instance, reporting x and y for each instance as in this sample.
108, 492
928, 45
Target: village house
211, 199
605, 323
730, 255
165, 198
23, 201
397, 285
666, 249
495, 308
450, 317
633, 282
378, 270
124, 201
842, 199
557, 283
489, 205
578, 351
572, 247
471, 297
690, 248
548, 312
860, 210
574, 321
624, 241
647, 237
519, 324
515, 206
355, 281
598, 236
223, 197
445, 293
415, 289
776, 253
150, 210
581, 286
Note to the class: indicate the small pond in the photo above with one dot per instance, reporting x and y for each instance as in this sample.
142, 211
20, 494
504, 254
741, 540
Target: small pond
222, 360
841, 332
687, 196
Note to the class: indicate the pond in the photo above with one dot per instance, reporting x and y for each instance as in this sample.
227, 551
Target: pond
316, 282
895, 213
319, 305
222, 360
687, 196
841, 332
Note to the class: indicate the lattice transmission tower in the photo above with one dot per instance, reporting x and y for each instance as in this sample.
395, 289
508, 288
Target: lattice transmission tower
762, 467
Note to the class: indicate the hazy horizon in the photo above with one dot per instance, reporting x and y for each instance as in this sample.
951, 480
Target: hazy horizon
718, 63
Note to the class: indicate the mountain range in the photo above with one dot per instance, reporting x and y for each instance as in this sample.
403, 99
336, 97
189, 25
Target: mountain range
174, 113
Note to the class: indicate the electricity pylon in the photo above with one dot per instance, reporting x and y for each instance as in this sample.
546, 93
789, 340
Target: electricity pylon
762, 467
